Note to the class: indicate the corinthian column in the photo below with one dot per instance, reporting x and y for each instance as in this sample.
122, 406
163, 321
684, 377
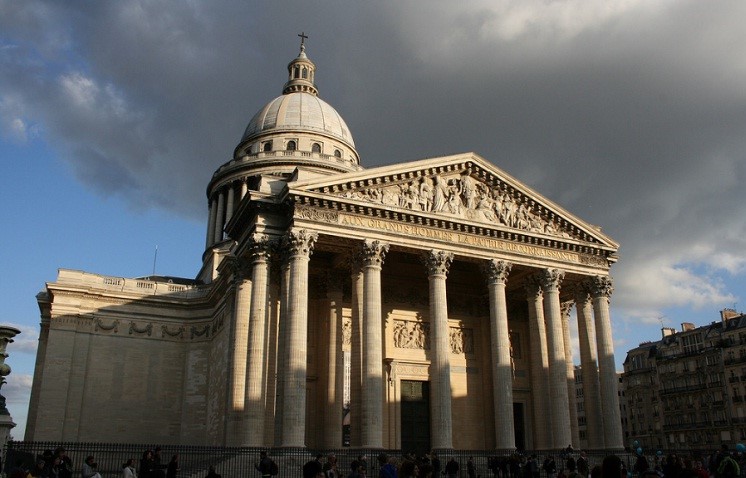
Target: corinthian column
255, 398
601, 291
438, 263
239, 339
211, 222
561, 436
371, 433
539, 364
219, 216
356, 351
502, 374
589, 368
282, 344
229, 204
570, 367
299, 244
335, 364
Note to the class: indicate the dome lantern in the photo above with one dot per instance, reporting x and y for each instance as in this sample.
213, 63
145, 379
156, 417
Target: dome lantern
301, 72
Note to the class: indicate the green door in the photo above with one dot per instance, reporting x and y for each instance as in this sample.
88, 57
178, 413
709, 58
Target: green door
415, 417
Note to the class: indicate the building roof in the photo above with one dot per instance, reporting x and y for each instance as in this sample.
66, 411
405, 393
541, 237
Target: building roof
298, 112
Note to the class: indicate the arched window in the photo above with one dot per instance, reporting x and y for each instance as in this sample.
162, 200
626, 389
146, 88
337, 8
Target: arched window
305, 72
337, 153
296, 74
267, 146
316, 148
291, 146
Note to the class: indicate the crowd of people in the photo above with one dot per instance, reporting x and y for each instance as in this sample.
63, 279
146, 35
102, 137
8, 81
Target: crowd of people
566, 464
57, 464
723, 463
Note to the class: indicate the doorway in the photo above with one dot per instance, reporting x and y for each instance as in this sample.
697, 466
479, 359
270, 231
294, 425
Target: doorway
519, 424
415, 417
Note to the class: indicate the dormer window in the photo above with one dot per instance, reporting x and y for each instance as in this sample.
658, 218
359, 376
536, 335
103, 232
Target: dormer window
316, 148
291, 146
267, 146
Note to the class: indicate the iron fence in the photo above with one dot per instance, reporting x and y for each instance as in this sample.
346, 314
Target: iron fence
233, 462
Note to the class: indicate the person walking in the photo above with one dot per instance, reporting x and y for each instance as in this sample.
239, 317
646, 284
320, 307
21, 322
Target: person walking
264, 465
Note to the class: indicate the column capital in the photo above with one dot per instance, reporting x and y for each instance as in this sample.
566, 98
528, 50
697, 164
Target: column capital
260, 248
240, 268
601, 286
565, 308
551, 279
496, 271
299, 242
373, 253
437, 262
532, 286
581, 291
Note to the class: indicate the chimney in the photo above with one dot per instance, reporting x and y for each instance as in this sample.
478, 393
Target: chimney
667, 331
727, 314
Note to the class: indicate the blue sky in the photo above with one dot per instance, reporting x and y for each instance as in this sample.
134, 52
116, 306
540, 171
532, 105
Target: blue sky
113, 116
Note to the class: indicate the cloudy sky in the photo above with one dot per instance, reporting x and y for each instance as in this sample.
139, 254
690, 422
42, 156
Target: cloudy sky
631, 114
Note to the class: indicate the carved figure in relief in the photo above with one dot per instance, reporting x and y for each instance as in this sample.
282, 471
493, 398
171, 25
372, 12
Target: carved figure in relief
486, 206
457, 341
409, 196
461, 196
440, 194
469, 190
391, 197
522, 221
454, 203
426, 195
410, 335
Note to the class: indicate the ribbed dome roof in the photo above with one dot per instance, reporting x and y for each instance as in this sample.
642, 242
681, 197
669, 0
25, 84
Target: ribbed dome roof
298, 112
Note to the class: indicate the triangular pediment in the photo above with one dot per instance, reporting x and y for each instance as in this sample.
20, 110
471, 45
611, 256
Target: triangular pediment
462, 188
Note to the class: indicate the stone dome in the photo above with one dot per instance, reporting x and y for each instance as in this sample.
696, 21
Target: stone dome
298, 112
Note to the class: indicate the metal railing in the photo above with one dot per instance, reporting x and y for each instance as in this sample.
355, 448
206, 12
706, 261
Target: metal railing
194, 461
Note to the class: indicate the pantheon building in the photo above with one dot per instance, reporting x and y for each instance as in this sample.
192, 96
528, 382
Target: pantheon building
427, 303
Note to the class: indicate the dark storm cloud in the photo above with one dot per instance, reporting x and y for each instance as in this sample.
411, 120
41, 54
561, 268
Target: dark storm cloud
629, 114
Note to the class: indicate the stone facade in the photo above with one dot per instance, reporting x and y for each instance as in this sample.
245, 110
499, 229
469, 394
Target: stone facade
446, 272
687, 390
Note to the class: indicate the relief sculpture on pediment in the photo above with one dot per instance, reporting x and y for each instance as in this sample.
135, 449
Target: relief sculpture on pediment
463, 196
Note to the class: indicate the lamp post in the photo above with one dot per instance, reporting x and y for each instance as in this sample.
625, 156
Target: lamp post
6, 422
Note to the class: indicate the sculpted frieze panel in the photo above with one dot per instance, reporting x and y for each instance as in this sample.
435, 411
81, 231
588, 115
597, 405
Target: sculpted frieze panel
409, 334
463, 196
